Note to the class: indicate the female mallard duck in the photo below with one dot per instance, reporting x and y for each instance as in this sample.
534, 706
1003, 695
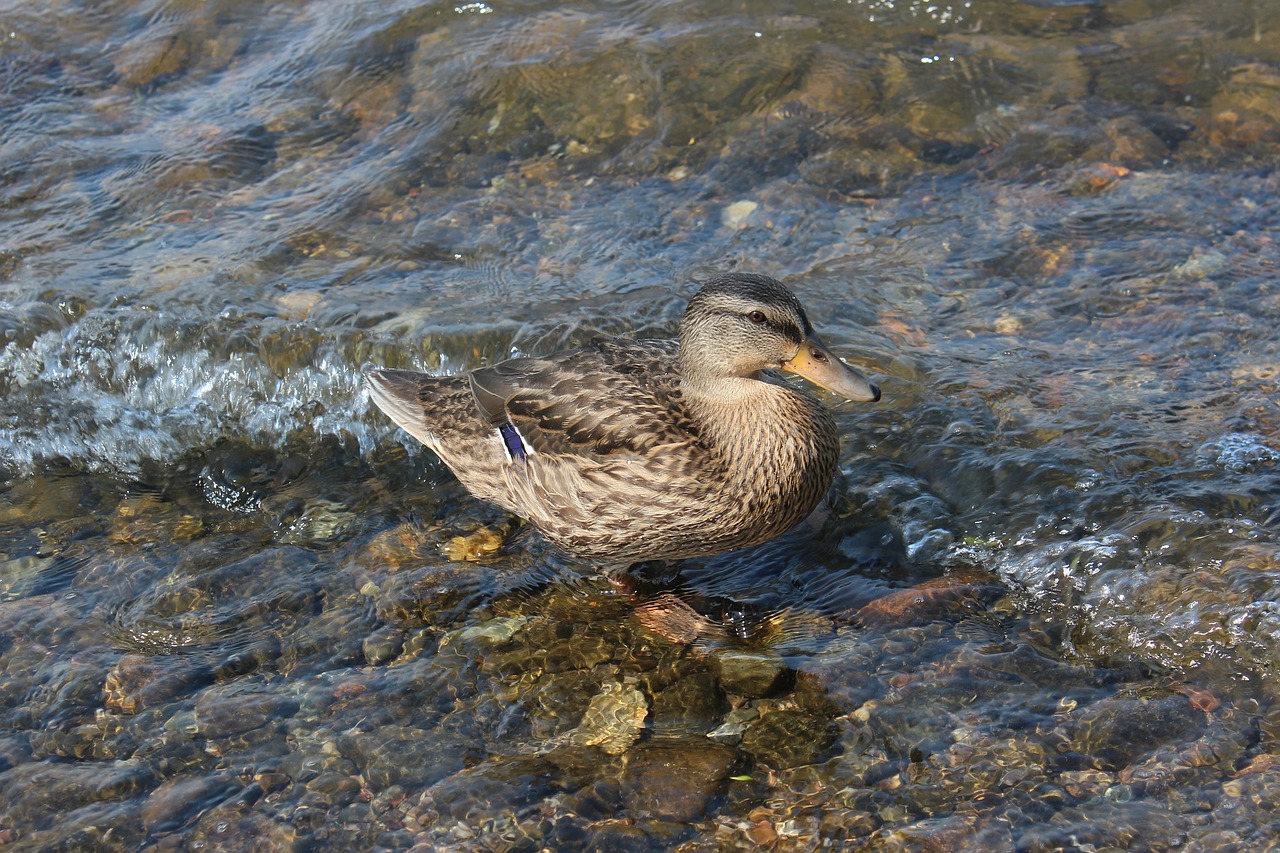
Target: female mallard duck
641, 450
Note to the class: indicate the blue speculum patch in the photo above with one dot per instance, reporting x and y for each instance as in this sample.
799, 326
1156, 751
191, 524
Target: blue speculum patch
511, 438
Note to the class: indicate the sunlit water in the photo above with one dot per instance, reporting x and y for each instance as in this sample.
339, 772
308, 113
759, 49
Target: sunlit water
241, 610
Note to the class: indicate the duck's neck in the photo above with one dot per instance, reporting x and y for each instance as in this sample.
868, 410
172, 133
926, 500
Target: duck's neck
764, 430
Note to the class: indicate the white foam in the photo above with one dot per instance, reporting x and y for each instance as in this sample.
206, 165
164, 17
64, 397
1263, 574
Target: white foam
1238, 452
119, 389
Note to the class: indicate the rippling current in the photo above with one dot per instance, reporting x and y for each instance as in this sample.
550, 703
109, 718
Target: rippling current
238, 608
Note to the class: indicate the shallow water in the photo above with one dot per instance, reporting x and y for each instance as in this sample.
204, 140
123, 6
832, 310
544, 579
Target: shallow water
239, 609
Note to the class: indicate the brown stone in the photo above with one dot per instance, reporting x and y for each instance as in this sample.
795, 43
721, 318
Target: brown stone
675, 779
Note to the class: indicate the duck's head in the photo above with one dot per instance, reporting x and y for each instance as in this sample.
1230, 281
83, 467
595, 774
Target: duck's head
740, 324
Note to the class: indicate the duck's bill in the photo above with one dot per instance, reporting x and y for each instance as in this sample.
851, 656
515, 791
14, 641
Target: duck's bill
823, 367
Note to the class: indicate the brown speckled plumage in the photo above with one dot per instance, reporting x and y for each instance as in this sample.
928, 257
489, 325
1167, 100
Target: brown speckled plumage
641, 450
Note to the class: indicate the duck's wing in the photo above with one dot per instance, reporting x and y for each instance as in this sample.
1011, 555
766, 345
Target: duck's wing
433, 409
611, 398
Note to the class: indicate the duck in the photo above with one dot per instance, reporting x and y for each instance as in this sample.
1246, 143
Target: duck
630, 450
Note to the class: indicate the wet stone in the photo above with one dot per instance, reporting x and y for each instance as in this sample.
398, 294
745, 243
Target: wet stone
137, 682
675, 779
20, 575
860, 172
625, 836
694, 704
554, 704
76, 685
810, 694
475, 546
1115, 731
51, 788
434, 595
949, 833
231, 828
403, 545
177, 801
28, 633
565, 647
749, 673
146, 518
153, 54
1269, 726
170, 754
105, 737
1129, 142
396, 755
317, 520
1252, 92
271, 781
488, 790
848, 823
735, 215
237, 707
614, 719
789, 737
383, 645
1083, 784
492, 631
78, 831
951, 595
306, 762
336, 787
331, 640
264, 651
183, 722
735, 724
14, 750
673, 619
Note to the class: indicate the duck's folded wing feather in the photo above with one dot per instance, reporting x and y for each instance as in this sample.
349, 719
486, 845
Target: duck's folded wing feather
606, 399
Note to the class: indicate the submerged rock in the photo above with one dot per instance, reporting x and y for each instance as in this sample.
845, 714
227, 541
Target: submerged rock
181, 799
692, 705
51, 788
138, 681
483, 543
146, 519
752, 674
675, 779
1115, 731
786, 736
241, 706
487, 791
613, 720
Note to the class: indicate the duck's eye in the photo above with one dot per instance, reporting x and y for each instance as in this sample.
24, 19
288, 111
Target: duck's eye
757, 317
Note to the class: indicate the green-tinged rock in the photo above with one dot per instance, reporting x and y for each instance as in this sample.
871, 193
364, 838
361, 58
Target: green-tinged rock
749, 673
